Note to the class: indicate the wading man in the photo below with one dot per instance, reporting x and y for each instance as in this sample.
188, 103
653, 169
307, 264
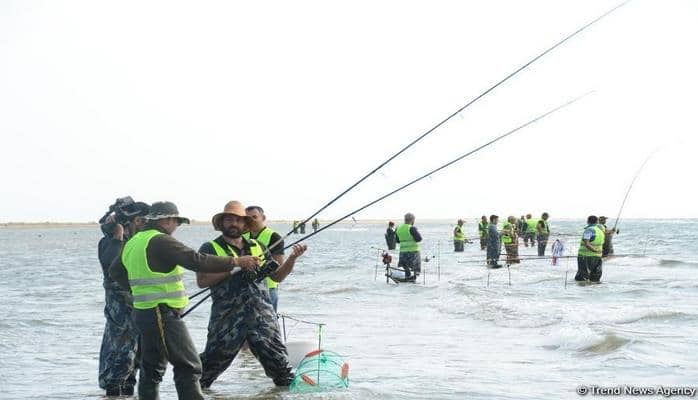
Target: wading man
119, 351
410, 251
511, 241
260, 232
590, 252
494, 245
150, 266
242, 309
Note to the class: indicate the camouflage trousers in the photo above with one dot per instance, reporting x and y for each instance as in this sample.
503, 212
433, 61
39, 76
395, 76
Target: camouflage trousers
118, 354
246, 315
493, 249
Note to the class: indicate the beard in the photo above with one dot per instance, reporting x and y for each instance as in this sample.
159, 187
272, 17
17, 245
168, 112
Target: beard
232, 232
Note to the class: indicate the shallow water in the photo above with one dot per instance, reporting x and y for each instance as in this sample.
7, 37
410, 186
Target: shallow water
451, 337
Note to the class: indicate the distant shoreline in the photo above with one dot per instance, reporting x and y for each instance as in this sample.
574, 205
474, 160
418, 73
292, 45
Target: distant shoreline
470, 221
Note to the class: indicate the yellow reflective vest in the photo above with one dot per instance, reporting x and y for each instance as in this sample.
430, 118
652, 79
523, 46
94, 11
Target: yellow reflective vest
150, 288
264, 238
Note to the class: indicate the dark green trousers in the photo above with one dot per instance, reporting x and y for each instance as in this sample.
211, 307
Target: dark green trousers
164, 337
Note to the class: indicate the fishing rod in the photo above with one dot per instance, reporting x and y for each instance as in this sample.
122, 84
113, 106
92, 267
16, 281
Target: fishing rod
498, 138
483, 94
536, 119
630, 187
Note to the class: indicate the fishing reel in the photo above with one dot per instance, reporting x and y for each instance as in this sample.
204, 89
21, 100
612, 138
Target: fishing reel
387, 258
258, 274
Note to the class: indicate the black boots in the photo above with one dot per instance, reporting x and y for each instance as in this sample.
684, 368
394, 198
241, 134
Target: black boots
119, 391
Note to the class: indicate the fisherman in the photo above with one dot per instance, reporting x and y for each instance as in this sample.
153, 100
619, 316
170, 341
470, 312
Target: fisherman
316, 226
493, 243
150, 266
242, 309
410, 257
590, 252
459, 237
543, 233
266, 236
391, 236
119, 352
608, 238
295, 226
482, 231
521, 227
558, 249
301, 227
511, 240
531, 224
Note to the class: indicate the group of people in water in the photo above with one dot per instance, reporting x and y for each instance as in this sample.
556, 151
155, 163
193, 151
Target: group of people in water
299, 226
143, 266
595, 244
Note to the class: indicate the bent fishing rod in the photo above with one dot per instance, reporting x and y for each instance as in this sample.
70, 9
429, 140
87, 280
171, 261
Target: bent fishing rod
630, 188
498, 138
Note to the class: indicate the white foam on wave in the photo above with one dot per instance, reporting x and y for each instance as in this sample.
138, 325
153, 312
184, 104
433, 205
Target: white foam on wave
583, 338
572, 338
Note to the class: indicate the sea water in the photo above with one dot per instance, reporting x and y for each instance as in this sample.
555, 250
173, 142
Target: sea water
462, 331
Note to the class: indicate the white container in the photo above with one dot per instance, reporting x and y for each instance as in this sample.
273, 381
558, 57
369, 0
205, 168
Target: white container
297, 351
397, 274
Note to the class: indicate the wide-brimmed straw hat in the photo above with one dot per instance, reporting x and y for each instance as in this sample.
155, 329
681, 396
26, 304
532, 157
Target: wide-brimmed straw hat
165, 209
233, 207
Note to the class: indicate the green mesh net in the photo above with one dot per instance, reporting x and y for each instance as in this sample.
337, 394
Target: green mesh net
320, 371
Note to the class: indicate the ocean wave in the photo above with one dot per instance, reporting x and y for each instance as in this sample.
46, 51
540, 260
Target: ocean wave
584, 339
643, 315
674, 263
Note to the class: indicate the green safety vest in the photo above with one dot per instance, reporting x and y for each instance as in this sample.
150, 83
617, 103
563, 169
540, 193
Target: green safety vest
596, 243
547, 227
531, 225
507, 239
264, 238
459, 235
255, 249
407, 242
150, 288
482, 227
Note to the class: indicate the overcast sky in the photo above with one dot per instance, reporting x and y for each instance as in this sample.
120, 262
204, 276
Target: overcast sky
285, 104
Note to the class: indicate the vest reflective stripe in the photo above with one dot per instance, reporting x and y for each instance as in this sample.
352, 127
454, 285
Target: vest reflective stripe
159, 296
407, 242
531, 225
507, 239
255, 249
459, 235
150, 288
597, 243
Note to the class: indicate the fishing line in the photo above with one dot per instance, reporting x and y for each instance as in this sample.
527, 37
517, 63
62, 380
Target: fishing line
483, 94
631, 186
498, 138
584, 27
